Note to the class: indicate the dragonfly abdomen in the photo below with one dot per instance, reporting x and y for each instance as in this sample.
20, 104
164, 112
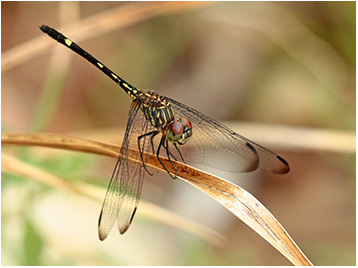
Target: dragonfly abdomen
132, 91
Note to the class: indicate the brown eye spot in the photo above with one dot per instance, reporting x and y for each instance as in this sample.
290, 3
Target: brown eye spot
185, 121
177, 128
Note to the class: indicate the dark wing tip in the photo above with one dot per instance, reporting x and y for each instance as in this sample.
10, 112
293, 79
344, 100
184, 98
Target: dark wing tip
285, 168
253, 164
122, 230
102, 235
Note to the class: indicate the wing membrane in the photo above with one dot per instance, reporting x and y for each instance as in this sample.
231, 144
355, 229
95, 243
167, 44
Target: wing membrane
216, 145
125, 186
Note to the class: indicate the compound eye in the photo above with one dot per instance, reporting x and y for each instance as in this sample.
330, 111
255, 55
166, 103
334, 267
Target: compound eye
177, 128
186, 122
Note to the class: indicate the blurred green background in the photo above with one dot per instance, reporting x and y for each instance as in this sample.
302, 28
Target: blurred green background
272, 64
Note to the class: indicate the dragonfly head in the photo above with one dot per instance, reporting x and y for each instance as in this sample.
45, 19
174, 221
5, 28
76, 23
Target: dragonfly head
179, 131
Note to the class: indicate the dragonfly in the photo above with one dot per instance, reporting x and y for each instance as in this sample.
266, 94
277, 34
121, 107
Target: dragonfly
165, 127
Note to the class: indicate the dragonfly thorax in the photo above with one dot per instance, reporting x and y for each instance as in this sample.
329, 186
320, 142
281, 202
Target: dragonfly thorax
156, 109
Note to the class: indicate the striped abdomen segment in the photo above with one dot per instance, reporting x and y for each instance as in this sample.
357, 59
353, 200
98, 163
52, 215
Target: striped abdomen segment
132, 91
156, 109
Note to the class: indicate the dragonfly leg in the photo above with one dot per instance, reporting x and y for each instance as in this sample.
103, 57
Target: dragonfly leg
153, 133
160, 161
173, 156
166, 146
176, 147
170, 153
151, 141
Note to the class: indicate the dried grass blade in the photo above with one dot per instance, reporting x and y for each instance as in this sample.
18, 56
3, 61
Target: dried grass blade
248, 209
241, 203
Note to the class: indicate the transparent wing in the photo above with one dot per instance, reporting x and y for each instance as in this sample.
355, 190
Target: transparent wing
215, 145
111, 205
132, 194
125, 186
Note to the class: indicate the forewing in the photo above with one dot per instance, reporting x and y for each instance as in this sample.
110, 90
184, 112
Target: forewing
111, 204
216, 145
124, 189
131, 197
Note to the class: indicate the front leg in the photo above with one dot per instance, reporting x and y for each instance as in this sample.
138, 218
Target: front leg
153, 133
162, 140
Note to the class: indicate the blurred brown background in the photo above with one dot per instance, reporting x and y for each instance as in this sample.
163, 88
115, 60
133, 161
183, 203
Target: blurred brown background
282, 74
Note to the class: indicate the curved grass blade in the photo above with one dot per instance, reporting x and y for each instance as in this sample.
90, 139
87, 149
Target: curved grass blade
234, 198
